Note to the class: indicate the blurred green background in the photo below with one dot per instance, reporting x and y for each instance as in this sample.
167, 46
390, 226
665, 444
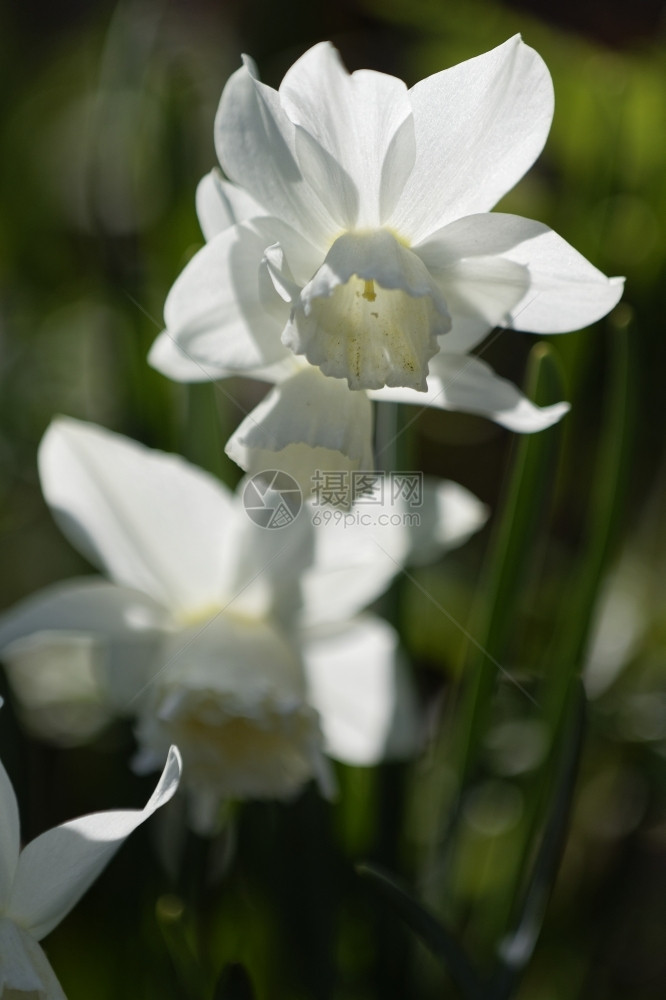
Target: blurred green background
106, 117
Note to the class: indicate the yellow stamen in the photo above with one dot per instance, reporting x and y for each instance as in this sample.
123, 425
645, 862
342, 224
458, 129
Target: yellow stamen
369, 291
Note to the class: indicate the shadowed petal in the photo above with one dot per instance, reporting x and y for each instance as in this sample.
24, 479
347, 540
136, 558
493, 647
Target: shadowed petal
306, 423
255, 144
221, 204
216, 312
562, 290
25, 971
57, 867
10, 835
464, 383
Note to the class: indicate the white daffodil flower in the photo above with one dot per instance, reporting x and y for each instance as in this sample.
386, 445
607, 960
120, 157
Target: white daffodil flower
243, 645
352, 248
40, 884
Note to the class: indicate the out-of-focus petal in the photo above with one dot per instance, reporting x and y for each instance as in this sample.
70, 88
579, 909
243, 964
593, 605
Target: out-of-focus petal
448, 516
361, 689
479, 126
308, 422
409, 519
10, 837
151, 520
56, 868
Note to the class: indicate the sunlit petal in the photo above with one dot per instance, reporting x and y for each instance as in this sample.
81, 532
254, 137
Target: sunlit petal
361, 690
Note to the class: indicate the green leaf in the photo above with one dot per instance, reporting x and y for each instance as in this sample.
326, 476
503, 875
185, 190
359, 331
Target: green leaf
517, 947
428, 929
606, 494
175, 923
523, 510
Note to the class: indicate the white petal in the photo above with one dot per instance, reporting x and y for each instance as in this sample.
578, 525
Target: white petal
480, 293
256, 147
355, 141
151, 520
221, 204
358, 551
10, 835
354, 562
57, 867
306, 423
265, 563
86, 604
59, 686
563, 290
168, 357
362, 692
479, 126
371, 314
78, 651
461, 382
216, 310
448, 516
25, 972
233, 696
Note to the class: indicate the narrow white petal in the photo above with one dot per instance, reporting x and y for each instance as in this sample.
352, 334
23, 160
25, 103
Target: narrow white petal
371, 314
306, 423
355, 141
57, 867
255, 144
464, 383
151, 520
216, 310
479, 126
221, 204
25, 971
563, 291
10, 835
361, 689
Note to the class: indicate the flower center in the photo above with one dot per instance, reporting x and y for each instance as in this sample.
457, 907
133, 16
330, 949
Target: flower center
371, 314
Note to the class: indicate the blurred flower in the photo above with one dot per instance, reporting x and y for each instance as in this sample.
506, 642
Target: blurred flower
353, 249
40, 884
243, 645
